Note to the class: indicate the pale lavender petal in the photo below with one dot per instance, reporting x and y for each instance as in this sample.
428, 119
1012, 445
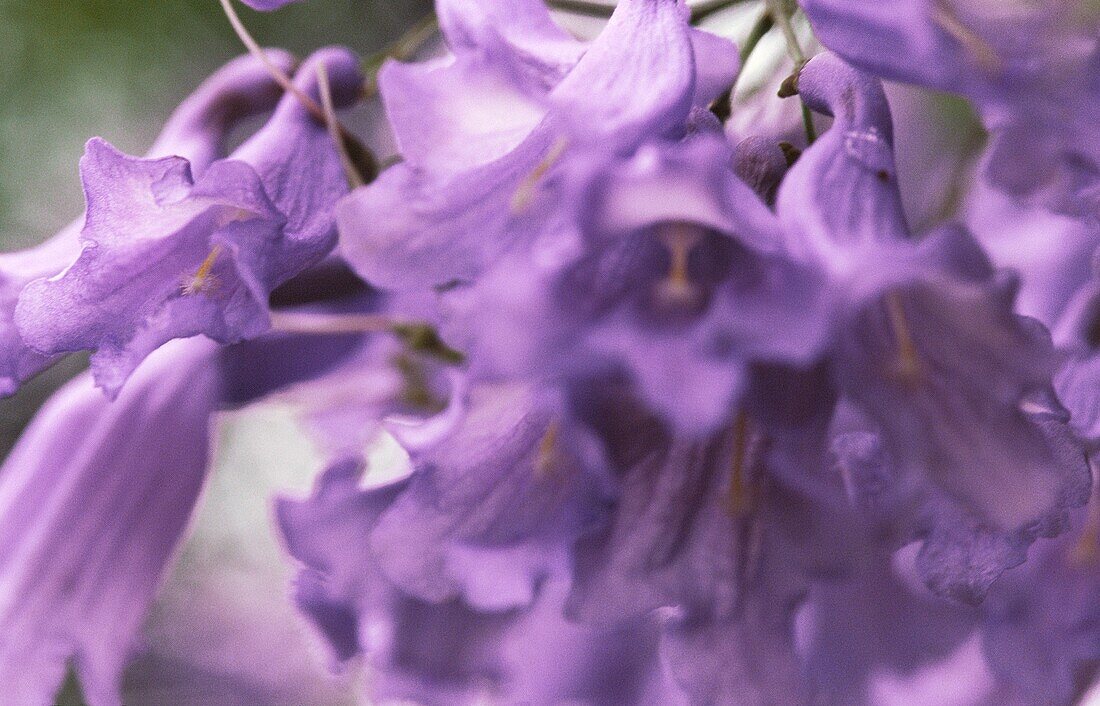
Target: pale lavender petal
458, 113
456, 532
518, 31
636, 80
93, 500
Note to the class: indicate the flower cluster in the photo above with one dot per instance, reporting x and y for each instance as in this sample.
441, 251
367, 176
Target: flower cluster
691, 415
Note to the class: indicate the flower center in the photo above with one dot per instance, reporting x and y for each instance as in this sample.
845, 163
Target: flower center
680, 239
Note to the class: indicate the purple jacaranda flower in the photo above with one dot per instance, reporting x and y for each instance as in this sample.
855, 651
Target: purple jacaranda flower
445, 652
456, 531
170, 254
1030, 68
196, 131
665, 264
959, 555
643, 238
471, 188
1049, 602
97, 493
926, 344
721, 540
93, 500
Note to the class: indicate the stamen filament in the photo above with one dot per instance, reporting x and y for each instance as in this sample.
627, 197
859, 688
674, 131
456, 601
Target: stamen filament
983, 51
202, 280
908, 358
525, 192
679, 238
547, 451
739, 498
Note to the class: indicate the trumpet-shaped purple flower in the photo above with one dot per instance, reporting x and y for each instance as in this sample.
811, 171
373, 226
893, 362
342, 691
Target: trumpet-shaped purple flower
481, 160
720, 537
666, 265
168, 253
1030, 68
926, 343
456, 530
92, 503
446, 651
196, 131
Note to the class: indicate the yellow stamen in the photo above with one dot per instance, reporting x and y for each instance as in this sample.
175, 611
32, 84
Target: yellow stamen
547, 454
525, 192
203, 280
679, 238
908, 358
983, 51
740, 494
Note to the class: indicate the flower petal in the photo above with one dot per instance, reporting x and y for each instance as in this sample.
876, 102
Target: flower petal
93, 500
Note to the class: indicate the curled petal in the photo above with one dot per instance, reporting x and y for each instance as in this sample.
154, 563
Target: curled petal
492, 509
197, 132
842, 195
168, 254
636, 80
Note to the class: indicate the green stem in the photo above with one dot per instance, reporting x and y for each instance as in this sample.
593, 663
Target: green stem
794, 49
762, 27
783, 19
721, 105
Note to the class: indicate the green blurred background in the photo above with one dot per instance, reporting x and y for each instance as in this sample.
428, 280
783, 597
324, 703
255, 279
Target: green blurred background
222, 632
